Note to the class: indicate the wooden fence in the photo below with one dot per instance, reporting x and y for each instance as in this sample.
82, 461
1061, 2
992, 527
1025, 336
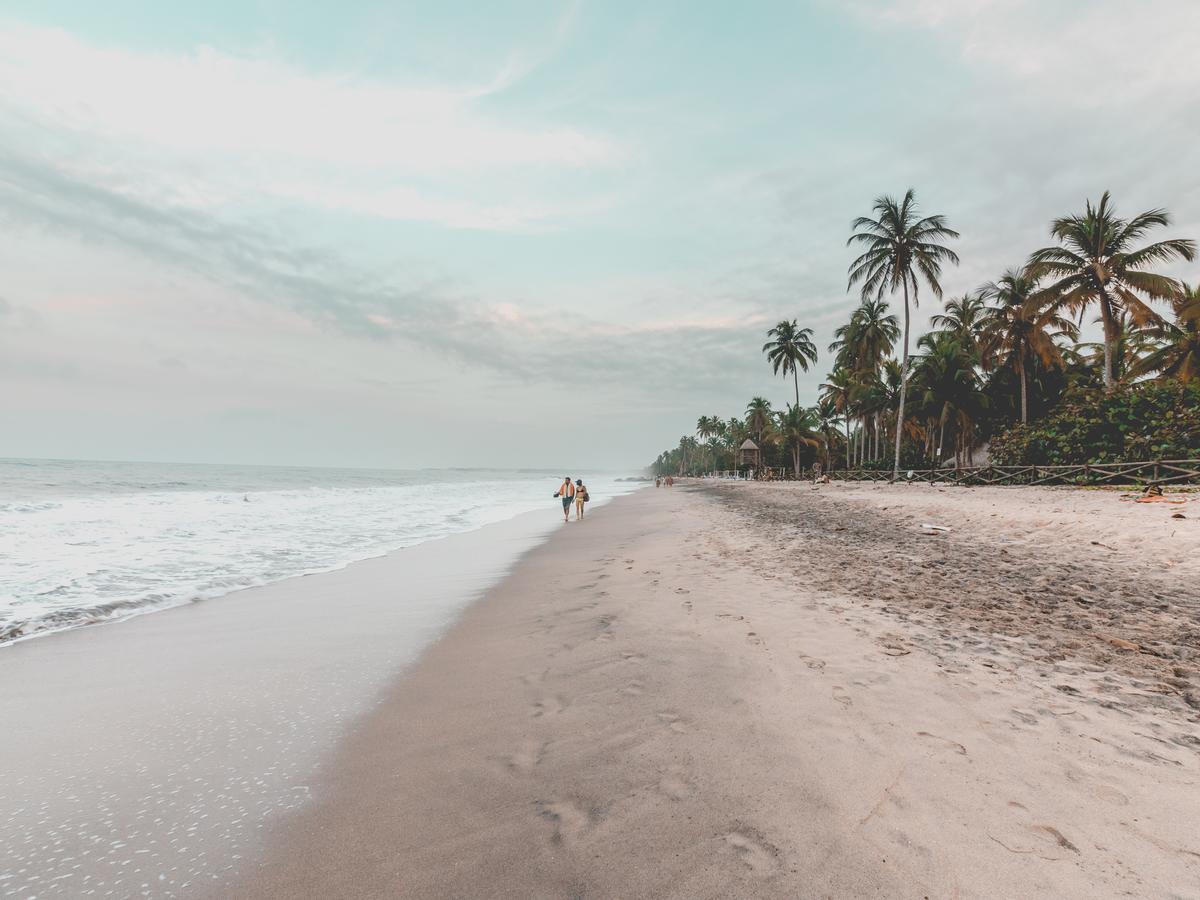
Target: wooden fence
1158, 471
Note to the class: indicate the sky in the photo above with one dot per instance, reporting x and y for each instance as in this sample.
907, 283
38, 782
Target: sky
522, 233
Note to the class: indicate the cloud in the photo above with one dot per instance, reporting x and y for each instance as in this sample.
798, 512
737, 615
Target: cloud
1087, 54
519, 342
210, 129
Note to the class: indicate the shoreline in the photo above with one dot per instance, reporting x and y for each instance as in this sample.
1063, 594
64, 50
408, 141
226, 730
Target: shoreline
165, 744
657, 706
183, 575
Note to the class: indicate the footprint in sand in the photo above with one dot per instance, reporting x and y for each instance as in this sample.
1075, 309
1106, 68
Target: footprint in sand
549, 706
812, 662
840, 695
672, 721
1110, 795
687, 604
634, 689
753, 638
731, 616
675, 785
759, 855
528, 755
955, 745
570, 820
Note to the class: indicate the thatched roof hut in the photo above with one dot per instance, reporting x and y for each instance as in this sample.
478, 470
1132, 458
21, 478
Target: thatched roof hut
749, 454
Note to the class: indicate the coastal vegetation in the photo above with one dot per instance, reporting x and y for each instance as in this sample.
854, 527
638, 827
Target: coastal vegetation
1002, 367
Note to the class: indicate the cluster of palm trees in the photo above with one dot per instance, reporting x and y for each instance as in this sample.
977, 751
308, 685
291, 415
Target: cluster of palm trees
991, 355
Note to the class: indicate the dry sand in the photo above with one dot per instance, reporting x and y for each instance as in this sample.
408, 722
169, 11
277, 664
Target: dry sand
776, 691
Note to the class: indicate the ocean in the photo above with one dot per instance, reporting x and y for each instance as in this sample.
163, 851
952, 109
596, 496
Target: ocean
89, 542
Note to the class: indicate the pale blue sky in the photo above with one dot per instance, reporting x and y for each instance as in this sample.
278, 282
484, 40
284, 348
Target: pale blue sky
418, 234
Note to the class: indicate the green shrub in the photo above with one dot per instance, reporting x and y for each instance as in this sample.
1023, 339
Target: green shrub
1151, 420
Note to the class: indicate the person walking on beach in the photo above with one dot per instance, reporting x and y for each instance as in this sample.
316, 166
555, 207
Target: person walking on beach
581, 497
567, 492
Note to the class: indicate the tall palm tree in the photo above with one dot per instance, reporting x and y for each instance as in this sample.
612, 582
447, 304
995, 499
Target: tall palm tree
1021, 328
901, 249
791, 348
837, 393
758, 418
1178, 353
1096, 262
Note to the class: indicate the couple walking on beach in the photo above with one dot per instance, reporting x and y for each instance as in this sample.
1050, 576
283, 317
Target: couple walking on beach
572, 491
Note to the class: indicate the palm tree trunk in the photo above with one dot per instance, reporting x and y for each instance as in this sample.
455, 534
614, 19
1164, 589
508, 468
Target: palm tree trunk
903, 389
849, 465
1024, 408
796, 378
1109, 340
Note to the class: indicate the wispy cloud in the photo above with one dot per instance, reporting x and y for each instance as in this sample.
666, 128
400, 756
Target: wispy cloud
1089, 53
524, 343
213, 129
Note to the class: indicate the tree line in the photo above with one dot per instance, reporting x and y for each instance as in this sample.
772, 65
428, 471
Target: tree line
994, 359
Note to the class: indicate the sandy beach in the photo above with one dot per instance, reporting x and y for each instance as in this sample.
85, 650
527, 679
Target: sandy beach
782, 691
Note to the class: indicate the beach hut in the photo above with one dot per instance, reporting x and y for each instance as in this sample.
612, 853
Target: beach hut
749, 454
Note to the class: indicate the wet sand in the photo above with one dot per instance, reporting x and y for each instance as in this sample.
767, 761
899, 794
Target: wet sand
146, 757
775, 691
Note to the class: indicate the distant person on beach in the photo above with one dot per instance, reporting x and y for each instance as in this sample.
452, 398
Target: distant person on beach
658, 482
567, 492
581, 497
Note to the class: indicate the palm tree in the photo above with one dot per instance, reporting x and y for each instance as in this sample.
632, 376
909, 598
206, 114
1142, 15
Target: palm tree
860, 347
901, 249
791, 349
963, 318
950, 387
1178, 355
863, 342
734, 432
837, 393
758, 418
1096, 262
797, 429
826, 414
1129, 345
1021, 329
